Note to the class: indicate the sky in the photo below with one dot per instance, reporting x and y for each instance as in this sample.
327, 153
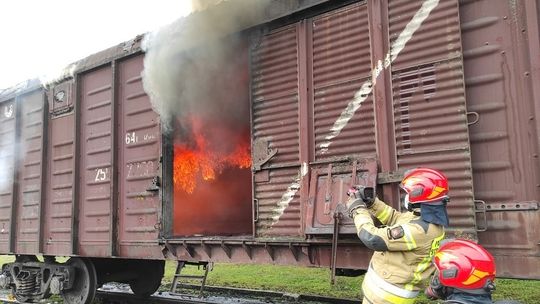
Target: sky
38, 38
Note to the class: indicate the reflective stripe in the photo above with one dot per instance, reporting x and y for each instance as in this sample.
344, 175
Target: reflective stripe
375, 282
385, 213
425, 263
409, 239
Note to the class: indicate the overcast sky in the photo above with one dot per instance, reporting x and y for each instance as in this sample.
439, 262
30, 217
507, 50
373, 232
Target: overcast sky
40, 37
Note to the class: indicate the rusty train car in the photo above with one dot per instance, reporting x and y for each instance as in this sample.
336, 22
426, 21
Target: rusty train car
331, 93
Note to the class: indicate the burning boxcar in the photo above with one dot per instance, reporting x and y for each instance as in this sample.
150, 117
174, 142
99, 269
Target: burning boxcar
233, 136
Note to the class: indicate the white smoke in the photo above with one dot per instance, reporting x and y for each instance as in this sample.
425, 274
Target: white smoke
187, 61
7, 143
58, 75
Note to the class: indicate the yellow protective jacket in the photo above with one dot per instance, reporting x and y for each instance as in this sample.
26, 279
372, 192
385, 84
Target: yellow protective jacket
404, 248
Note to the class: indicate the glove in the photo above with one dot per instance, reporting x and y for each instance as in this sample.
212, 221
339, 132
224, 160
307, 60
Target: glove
435, 290
354, 204
365, 194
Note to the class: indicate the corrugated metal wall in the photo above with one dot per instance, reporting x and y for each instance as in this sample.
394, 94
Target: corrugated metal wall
30, 175
7, 159
275, 96
138, 162
58, 217
341, 64
430, 115
95, 163
336, 122
503, 142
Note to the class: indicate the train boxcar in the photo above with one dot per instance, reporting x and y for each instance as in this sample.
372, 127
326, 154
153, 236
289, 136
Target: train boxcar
240, 146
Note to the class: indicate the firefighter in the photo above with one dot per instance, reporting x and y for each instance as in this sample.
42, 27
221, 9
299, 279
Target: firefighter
404, 246
465, 274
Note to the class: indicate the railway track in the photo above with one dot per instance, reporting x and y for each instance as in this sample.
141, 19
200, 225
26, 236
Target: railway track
219, 295
117, 294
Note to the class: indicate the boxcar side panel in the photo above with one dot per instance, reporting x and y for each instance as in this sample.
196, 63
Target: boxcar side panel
504, 141
430, 117
139, 142
28, 213
95, 163
58, 211
342, 129
276, 156
7, 161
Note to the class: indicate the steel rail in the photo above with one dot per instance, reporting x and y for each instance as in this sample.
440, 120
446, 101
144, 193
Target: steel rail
240, 296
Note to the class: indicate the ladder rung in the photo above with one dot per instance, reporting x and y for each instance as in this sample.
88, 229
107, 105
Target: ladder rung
185, 276
176, 284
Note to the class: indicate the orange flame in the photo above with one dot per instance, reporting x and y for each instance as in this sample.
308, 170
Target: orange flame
191, 164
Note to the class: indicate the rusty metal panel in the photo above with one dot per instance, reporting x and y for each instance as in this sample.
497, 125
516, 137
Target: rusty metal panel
95, 163
277, 201
328, 188
30, 172
138, 160
7, 161
504, 148
430, 117
58, 214
275, 120
438, 38
341, 65
274, 86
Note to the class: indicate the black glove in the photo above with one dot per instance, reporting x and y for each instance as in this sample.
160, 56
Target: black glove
366, 194
436, 290
354, 204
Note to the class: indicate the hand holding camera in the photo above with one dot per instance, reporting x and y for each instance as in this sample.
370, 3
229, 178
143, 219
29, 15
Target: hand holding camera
359, 197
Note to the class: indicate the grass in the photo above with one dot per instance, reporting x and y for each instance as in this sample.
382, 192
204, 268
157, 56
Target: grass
316, 281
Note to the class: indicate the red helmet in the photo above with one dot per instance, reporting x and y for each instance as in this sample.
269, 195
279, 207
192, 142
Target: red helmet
465, 265
424, 185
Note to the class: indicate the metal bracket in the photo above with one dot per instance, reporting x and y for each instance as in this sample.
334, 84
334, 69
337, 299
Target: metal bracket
270, 251
518, 206
328, 195
294, 251
207, 249
480, 208
188, 249
475, 120
226, 249
168, 251
247, 249
262, 153
154, 186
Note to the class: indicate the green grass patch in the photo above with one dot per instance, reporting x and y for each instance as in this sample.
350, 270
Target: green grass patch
316, 281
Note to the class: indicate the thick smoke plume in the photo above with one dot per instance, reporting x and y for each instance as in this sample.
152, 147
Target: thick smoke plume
197, 59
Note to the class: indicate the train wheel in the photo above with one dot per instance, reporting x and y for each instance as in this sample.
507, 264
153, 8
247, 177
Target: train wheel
84, 283
149, 278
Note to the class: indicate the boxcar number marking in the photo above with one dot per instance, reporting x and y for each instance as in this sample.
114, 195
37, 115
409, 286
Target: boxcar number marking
101, 174
145, 168
131, 138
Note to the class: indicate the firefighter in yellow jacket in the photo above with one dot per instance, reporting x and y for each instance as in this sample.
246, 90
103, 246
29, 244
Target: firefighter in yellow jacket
404, 246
